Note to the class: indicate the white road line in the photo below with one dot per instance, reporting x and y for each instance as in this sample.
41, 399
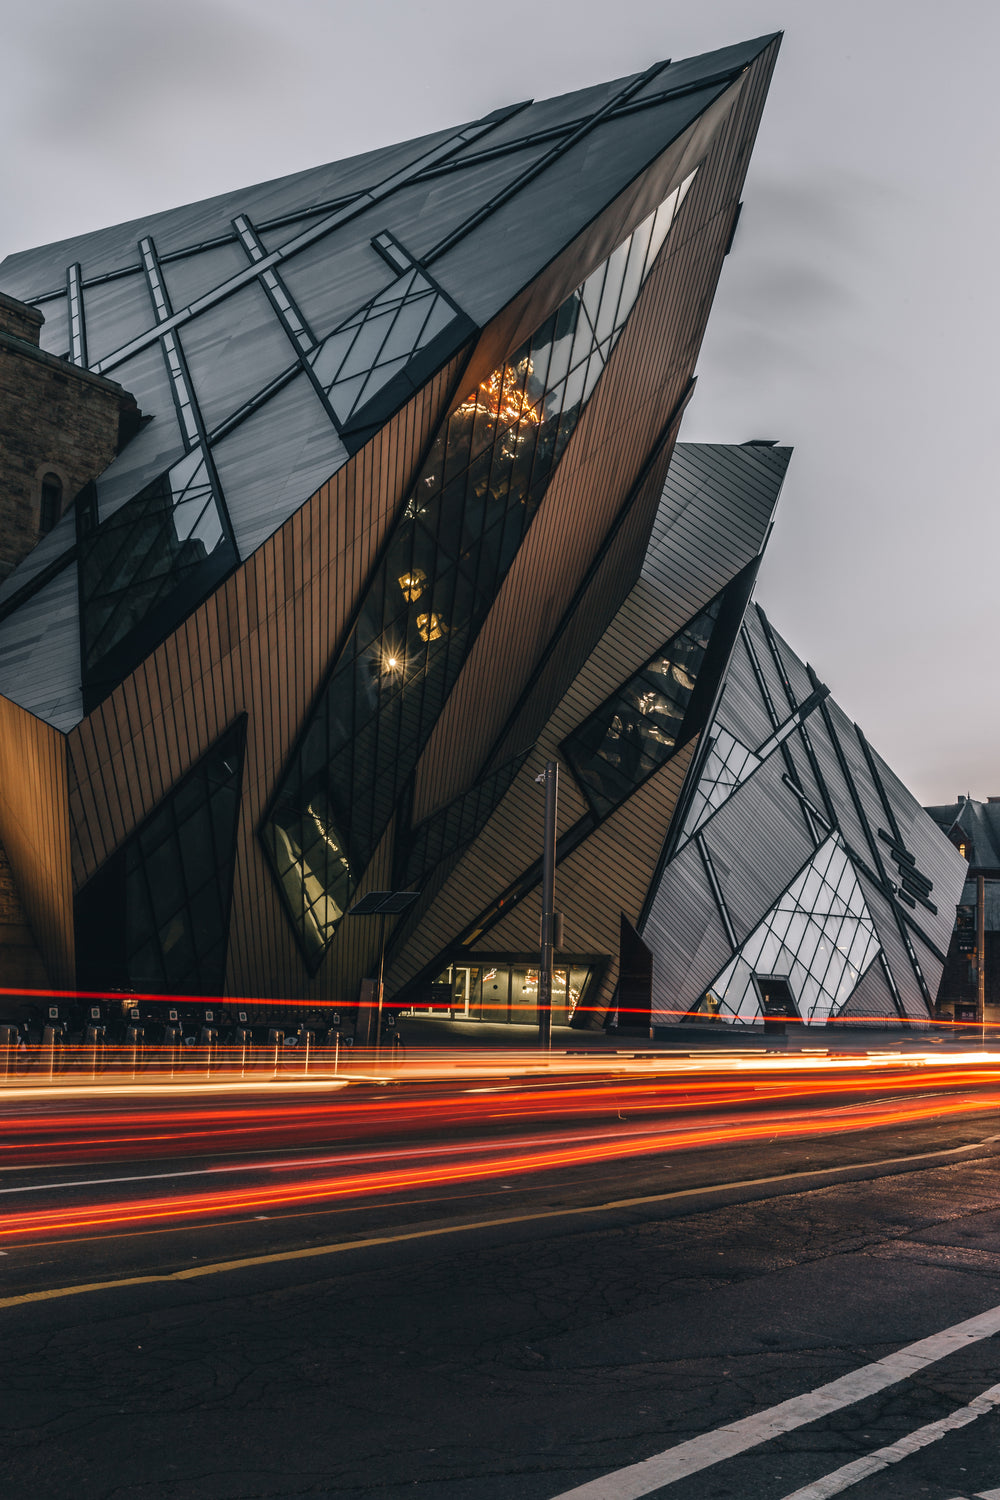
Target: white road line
871, 1463
737, 1437
988, 1495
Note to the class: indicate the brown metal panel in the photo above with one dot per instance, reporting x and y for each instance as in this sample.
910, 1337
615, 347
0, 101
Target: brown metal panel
34, 831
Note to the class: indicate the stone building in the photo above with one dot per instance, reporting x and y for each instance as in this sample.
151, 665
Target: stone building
60, 426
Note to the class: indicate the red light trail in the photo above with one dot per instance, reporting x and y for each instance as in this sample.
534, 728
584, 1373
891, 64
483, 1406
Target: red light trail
390, 1143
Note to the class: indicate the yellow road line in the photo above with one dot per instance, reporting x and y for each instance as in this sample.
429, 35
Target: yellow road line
192, 1273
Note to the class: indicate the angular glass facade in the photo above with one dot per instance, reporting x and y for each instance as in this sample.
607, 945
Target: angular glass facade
727, 765
473, 501
360, 357
819, 937
156, 915
644, 722
143, 568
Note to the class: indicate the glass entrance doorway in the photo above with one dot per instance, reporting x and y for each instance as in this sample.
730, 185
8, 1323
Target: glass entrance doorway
505, 992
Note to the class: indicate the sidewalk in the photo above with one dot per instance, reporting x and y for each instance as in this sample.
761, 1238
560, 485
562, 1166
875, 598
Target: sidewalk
438, 1033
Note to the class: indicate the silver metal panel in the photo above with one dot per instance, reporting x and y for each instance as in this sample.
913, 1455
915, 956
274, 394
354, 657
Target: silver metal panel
274, 461
51, 547
40, 653
191, 277
233, 351
116, 312
872, 996
156, 446
686, 935
54, 336
582, 182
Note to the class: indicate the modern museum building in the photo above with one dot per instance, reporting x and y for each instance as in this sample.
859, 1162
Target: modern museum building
338, 506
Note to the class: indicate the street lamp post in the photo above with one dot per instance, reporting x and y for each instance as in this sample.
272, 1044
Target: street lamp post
550, 778
981, 956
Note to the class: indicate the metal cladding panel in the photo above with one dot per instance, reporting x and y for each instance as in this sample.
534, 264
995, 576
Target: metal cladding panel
195, 275
55, 336
741, 710
34, 831
581, 182
872, 996
794, 668
685, 932
233, 351
54, 545
40, 653
689, 70
157, 444
758, 843
712, 491
270, 461
756, 625
115, 312
936, 856
911, 996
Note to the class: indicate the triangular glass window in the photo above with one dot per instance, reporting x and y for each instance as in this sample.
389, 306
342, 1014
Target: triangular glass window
728, 764
818, 940
644, 722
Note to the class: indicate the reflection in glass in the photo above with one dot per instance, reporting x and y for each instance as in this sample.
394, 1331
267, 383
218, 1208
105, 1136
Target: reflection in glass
472, 503
142, 569
361, 356
820, 936
644, 722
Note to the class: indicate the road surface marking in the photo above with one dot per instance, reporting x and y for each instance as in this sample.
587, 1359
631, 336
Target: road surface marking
311, 1252
853, 1473
749, 1432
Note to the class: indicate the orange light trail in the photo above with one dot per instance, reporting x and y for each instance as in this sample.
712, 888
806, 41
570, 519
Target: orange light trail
478, 1163
128, 1133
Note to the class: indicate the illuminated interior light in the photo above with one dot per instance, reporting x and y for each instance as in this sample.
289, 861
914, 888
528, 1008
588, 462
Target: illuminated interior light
431, 627
504, 397
412, 584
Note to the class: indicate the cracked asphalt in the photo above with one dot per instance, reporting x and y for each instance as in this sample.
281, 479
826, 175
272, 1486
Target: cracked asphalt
517, 1360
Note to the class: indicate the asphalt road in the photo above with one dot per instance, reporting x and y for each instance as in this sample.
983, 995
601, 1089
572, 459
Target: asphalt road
530, 1334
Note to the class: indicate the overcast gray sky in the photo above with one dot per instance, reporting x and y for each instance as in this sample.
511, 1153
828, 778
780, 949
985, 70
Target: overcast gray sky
856, 318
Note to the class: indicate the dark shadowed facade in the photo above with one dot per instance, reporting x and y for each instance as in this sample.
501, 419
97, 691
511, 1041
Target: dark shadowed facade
399, 523
974, 829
